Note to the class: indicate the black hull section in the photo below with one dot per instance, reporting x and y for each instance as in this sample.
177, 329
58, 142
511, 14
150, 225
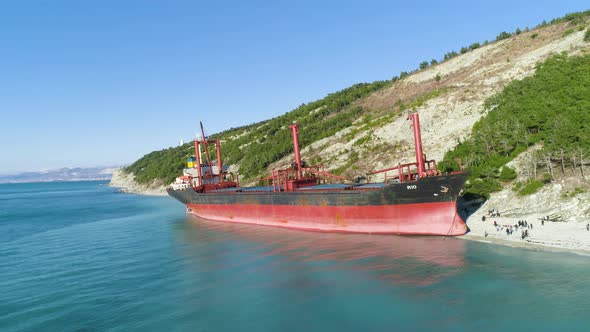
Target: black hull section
426, 190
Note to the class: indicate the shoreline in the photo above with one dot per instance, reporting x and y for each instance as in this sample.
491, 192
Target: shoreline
524, 245
155, 192
126, 184
555, 236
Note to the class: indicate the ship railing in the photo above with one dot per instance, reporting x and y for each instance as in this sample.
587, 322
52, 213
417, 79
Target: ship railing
409, 172
324, 176
278, 179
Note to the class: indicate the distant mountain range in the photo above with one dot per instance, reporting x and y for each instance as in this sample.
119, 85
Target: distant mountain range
62, 174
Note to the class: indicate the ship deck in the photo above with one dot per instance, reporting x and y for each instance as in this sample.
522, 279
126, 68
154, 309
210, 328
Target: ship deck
319, 187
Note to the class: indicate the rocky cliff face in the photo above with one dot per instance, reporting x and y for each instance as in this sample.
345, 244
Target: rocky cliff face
126, 181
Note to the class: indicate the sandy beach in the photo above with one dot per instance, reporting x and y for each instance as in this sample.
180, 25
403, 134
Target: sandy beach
569, 233
555, 236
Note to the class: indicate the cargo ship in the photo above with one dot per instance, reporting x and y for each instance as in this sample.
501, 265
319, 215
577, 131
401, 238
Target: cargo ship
417, 199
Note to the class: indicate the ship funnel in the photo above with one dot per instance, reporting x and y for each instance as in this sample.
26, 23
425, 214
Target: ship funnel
295, 134
417, 142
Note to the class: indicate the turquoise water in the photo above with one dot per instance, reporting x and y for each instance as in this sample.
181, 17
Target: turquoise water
82, 257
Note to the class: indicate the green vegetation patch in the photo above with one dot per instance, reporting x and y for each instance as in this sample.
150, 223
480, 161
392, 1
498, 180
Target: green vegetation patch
483, 187
568, 32
507, 174
573, 18
528, 188
353, 158
573, 193
503, 35
363, 140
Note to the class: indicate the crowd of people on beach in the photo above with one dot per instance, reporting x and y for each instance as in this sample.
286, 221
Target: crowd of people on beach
493, 213
510, 229
524, 225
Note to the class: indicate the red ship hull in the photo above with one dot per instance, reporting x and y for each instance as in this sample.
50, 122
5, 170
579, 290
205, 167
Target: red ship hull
418, 202
437, 218
424, 207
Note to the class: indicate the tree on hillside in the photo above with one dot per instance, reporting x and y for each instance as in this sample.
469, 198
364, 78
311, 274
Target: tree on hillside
503, 35
450, 55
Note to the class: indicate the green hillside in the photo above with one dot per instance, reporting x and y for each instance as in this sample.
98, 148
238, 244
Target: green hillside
550, 109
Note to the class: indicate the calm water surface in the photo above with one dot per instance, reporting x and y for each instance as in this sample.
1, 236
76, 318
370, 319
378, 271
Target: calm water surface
82, 257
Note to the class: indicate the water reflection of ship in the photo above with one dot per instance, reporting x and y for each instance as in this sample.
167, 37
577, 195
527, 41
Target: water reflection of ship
399, 259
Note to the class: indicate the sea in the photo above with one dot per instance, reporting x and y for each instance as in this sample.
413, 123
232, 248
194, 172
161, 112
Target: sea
80, 256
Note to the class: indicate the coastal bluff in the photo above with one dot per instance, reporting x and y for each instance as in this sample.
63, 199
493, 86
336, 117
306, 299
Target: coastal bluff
127, 184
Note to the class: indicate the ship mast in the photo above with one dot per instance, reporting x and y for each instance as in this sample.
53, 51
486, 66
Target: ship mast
198, 157
205, 145
417, 143
295, 134
219, 163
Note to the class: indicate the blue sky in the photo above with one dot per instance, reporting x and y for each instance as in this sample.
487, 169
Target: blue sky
85, 83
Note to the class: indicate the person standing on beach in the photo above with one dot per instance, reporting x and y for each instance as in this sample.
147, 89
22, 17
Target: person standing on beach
588, 227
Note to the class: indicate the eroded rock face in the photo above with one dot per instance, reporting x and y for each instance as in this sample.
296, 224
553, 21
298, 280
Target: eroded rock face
126, 181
